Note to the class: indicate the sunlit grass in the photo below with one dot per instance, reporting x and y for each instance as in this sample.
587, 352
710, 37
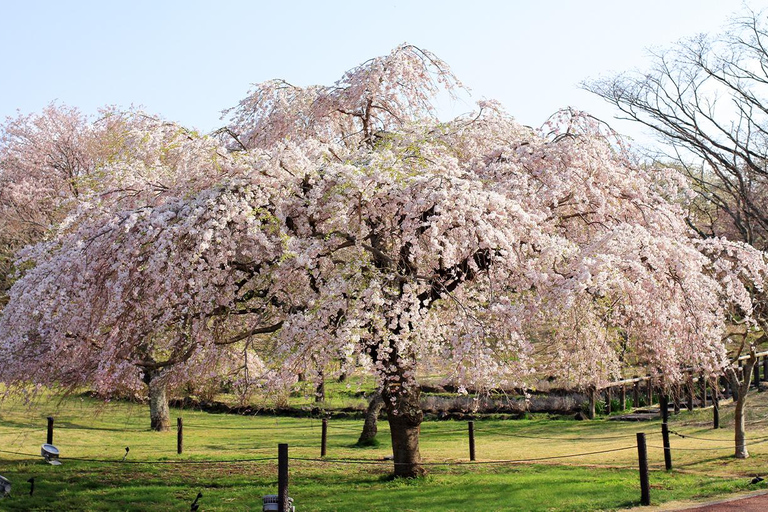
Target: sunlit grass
86, 428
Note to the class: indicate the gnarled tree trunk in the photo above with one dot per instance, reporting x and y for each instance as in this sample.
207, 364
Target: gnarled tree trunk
159, 414
370, 427
405, 417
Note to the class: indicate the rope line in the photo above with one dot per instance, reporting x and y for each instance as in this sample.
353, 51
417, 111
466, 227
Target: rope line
329, 461
459, 463
279, 427
710, 439
529, 436
127, 461
687, 436
220, 461
693, 449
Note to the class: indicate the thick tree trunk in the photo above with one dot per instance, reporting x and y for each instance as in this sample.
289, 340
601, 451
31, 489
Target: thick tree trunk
370, 427
159, 414
405, 417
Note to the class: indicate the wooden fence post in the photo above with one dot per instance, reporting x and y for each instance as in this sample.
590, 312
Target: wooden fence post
471, 426
179, 435
636, 393
49, 436
282, 478
676, 398
756, 375
715, 403
642, 457
623, 397
649, 391
664, 406
765, 368
667, 449
324, 438
691, 392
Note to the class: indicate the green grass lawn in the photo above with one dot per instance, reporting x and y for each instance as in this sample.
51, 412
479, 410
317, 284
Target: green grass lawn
154, 477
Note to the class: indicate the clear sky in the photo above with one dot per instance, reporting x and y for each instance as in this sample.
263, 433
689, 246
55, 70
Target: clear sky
188, 60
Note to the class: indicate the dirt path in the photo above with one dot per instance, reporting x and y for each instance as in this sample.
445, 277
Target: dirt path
748, 502
753, 504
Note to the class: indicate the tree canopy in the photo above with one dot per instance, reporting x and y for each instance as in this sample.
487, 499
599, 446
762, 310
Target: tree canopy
349, 224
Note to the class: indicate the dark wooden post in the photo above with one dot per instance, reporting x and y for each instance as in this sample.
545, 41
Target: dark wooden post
623, 397
324, 438
703, 384
649, 390
179, 435
636, 393
691, 392
756, 375
726, 386
282, 477
642, 457
715, 403
765, 368
608, 398
49, 436
471, 425
664, 406
676, 398
667, 449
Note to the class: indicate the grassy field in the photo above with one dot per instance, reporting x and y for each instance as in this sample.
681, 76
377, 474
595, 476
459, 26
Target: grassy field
155, 478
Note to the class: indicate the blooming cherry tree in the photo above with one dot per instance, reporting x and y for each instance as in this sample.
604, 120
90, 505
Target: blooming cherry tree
347, 222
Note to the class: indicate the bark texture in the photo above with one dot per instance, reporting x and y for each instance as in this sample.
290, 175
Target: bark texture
159, 414
405, 417
742, 385
320, 389
370, 427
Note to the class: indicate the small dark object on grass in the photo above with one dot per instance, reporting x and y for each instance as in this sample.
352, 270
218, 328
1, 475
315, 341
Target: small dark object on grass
127, 449
31, 486
388, 457
196, 505
757, 480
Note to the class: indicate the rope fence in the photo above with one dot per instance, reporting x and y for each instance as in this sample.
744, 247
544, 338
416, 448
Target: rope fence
714, 445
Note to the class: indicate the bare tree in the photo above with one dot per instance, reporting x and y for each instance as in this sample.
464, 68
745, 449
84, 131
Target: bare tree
707, 99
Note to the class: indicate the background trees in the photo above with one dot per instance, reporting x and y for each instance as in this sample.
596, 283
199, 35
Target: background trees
347, 222
44, 160
706, 100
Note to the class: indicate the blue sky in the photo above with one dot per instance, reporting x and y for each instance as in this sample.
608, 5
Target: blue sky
188, 60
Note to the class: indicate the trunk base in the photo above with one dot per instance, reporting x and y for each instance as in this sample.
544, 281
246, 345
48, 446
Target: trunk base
405, 431
370, 427
159, 414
